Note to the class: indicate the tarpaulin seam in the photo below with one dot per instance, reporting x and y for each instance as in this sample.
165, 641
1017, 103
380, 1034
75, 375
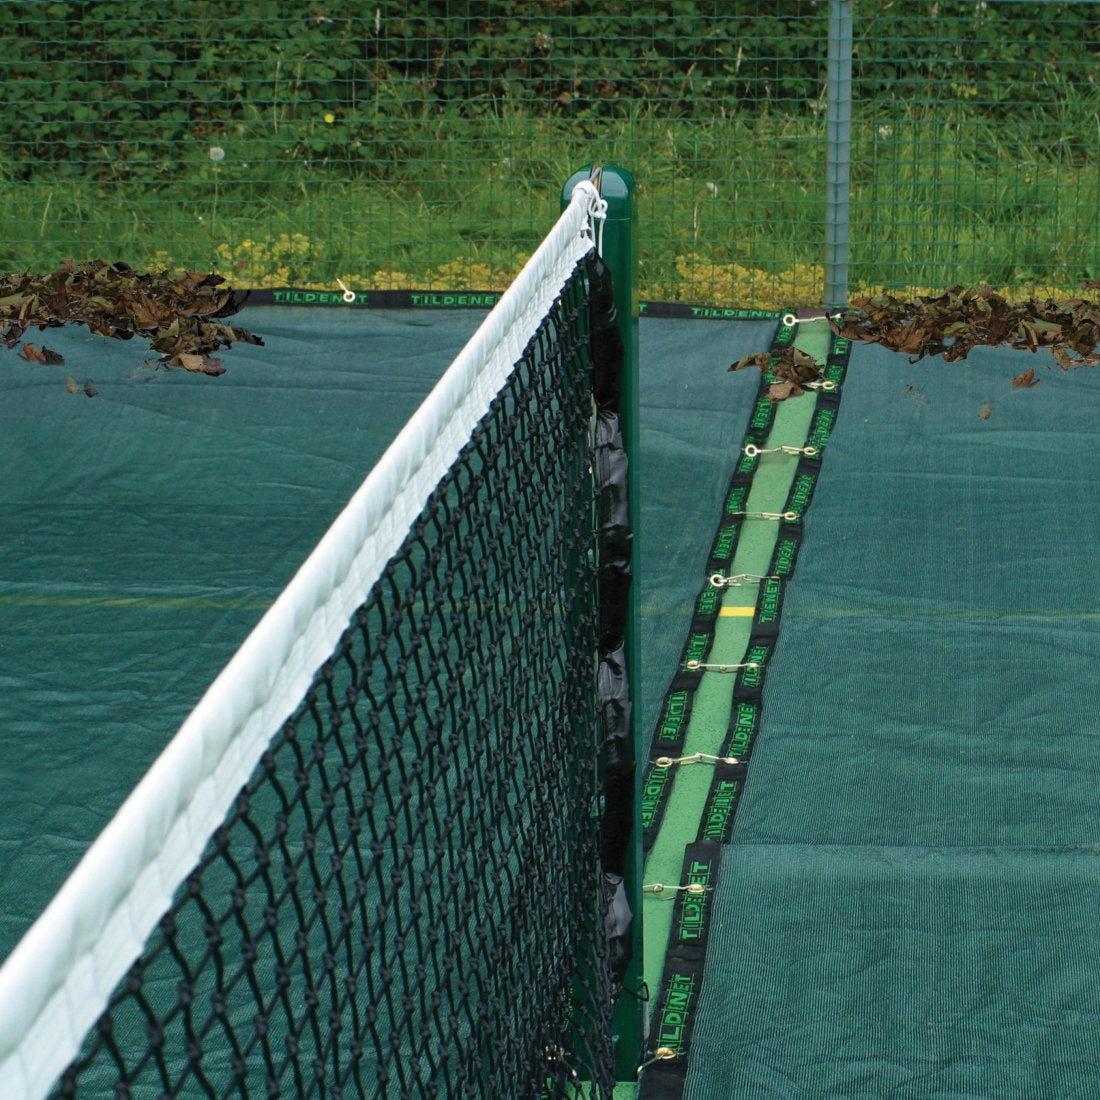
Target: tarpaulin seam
450, 299
665, 1072
675, 713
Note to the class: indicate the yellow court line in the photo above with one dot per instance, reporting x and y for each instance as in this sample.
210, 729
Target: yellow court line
740, 612
248, 603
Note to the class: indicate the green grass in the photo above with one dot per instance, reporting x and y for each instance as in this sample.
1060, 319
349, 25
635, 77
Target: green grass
731, 210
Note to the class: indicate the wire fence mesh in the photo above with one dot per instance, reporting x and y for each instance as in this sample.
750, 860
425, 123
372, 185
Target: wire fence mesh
421, 143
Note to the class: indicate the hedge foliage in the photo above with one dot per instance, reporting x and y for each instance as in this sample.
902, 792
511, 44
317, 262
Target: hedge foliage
117, 89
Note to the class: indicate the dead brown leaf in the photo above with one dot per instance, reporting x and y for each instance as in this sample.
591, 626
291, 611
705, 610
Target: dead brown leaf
31, 354
780, 391
189, 362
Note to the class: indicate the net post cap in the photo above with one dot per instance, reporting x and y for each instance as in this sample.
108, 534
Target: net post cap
615, 184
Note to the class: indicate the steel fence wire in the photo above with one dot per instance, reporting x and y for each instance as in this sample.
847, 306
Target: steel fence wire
408, 144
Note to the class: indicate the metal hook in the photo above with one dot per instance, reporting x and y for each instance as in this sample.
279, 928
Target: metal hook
661, 1054
738, 579
790, 320
752, 450
694, 758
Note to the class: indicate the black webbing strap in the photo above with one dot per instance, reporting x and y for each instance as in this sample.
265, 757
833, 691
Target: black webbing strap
676, 708
664, 1070
613, 582
674, 1015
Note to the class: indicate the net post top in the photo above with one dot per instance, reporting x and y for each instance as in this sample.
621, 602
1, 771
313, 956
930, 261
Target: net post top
614, 184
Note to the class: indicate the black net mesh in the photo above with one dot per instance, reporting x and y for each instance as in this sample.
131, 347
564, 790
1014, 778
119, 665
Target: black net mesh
407, 899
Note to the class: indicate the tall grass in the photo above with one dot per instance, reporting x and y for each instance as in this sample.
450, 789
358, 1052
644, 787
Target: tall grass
731, 208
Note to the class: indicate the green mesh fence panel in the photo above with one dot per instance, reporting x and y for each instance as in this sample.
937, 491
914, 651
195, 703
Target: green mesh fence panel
410, 144
975, 162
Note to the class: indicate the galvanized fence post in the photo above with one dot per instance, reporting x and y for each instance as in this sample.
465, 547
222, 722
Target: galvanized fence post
838, 153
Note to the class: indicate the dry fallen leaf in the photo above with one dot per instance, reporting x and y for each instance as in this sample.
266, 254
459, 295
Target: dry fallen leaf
89, 388
780, 391
986, 411
180, 312
31, 354
72, 385
1025, 380
190, 362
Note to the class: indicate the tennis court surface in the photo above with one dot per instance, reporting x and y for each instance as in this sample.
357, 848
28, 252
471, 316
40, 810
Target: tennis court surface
904, 899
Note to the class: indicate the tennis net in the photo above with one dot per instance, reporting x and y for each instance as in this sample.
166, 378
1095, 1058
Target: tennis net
384, 859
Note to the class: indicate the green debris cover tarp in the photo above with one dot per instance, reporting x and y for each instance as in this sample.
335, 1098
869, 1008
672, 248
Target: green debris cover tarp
146, 530
909, 905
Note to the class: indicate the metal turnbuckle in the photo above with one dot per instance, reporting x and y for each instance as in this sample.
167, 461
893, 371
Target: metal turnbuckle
752, 450
788, 516
738, 579
702, 666
660, 889
694, 758
790, 320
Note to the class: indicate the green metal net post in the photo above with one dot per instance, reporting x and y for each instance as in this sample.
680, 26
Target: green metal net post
620, 252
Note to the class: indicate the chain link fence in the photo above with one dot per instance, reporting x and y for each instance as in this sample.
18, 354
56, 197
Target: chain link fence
421, 144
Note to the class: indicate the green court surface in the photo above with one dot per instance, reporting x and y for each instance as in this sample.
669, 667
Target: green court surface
905, 900
146, 530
